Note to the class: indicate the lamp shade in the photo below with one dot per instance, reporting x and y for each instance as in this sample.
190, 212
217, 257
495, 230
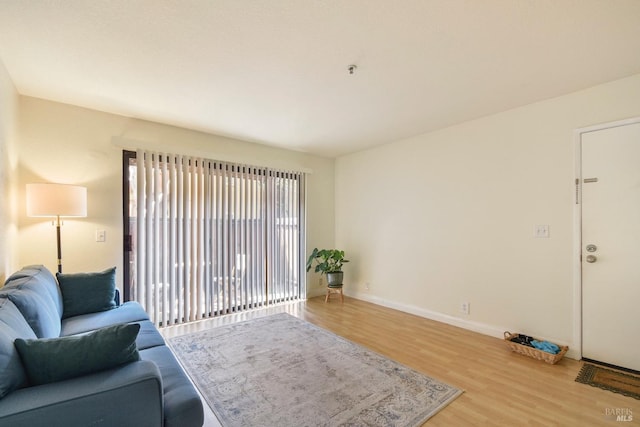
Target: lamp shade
56, 200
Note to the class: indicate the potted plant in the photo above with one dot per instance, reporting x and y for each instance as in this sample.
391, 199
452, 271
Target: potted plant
329, 262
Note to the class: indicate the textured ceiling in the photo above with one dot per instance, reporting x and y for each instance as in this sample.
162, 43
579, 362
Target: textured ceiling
275, 71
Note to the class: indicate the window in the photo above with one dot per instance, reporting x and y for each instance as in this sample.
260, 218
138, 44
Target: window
204, 238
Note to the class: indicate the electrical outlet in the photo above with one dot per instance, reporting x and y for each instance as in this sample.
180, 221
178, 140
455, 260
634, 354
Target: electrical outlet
101, 236
366, 286
465, 308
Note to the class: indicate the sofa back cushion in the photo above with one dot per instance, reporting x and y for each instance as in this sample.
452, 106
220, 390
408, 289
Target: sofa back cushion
34, 291
36, 309
12, 326
39, 275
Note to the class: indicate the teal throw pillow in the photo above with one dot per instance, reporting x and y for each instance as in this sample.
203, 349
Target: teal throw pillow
55, 359
84, 293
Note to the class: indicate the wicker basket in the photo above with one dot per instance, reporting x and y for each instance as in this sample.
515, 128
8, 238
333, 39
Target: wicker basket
534, 352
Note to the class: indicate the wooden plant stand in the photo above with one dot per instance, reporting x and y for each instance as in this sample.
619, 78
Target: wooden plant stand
334, 290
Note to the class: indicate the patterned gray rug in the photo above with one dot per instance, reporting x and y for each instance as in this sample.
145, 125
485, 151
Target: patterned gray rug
281, 371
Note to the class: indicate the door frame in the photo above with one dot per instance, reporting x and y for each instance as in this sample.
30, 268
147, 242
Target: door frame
577, 225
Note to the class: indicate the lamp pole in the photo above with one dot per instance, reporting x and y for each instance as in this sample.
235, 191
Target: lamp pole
59, 245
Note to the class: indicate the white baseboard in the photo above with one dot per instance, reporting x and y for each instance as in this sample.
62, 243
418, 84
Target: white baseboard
433, 315
481, 328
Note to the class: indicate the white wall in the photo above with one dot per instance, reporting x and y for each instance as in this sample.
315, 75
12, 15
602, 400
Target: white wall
446, 217
8, 175
67, 144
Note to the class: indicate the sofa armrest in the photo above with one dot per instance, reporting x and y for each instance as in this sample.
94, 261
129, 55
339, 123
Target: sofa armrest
130, 395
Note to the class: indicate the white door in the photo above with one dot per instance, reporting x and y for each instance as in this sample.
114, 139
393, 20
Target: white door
611, 245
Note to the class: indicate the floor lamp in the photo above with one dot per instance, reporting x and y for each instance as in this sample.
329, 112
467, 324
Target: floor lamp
56, 200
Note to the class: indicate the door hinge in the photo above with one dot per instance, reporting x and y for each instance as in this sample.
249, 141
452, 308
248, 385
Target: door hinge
577, 190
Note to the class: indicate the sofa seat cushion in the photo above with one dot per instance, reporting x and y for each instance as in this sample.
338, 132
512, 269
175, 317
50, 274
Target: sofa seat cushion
182, 404
84, 293
58, 359
126, 313
12, 326
148, 336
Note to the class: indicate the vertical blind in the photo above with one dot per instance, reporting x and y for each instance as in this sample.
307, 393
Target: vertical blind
214, 237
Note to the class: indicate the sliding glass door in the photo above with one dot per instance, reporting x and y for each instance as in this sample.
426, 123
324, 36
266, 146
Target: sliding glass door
204, 238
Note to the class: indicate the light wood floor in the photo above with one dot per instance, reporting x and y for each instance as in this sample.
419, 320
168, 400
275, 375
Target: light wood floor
501, 388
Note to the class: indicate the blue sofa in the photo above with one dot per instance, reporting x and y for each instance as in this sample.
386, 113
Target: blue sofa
150, 389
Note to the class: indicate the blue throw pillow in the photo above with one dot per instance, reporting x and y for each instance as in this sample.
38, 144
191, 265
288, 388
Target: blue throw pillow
55, 359
84, 293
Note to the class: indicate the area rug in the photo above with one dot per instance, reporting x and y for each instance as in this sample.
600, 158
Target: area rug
282, 371
606, 379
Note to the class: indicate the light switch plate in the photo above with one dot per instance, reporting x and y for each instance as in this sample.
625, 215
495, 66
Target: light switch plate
541, 231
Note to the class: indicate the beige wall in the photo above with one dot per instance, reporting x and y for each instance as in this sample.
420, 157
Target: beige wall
428, 222
67, 144
8, 175
446, 217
